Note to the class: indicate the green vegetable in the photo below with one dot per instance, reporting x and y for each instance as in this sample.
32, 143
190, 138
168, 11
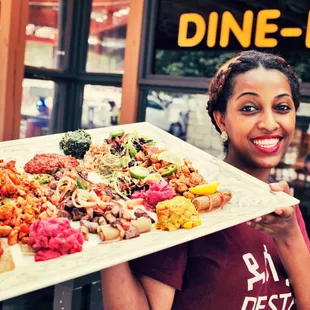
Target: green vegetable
125, 160
168, 170
139, 172
81, 183
76, 143
118, 133
42, 178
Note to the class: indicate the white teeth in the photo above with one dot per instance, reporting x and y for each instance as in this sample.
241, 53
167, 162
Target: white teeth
266, 143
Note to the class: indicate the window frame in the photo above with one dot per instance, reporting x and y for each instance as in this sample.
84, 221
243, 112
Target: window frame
70, 81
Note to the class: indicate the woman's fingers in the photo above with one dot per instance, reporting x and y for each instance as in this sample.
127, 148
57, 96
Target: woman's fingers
285, 212
276, 216
281, 186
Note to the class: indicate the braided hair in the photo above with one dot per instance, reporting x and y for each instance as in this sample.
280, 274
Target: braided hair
221, 86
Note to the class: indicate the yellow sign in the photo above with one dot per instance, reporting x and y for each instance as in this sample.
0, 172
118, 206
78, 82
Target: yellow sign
265, 25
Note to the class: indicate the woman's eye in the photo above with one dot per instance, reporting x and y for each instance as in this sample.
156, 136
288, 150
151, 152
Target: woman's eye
283, 108
248, 108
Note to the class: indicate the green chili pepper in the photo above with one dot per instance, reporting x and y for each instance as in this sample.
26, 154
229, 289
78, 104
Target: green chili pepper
166, 171
118, 133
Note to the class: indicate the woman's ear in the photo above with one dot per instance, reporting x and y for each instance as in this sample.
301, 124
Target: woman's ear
220, 120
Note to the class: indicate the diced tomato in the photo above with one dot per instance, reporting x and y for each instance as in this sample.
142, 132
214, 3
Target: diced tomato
25, 228
157, 166
98, 192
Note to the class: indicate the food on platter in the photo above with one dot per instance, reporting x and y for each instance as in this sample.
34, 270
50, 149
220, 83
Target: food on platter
22, 201
137, 184
54, 237
76, 143
6, 258
144, 224
205, 189
156, 192
213, 201
178, 212
49, 163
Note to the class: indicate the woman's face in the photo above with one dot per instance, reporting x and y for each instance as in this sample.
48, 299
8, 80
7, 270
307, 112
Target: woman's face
260, 118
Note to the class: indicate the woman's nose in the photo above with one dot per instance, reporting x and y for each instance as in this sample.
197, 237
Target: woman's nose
268, 121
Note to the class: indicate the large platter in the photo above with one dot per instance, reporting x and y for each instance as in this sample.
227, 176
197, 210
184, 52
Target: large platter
251, 198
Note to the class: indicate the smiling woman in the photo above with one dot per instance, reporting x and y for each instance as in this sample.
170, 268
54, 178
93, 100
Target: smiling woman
259, 92
253, 101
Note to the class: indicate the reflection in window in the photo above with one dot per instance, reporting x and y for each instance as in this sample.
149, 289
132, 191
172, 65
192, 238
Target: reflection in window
36, 107
44, 46
101, 106
106, 42
184, 116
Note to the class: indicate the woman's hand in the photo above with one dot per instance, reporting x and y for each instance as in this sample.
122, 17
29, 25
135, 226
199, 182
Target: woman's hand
280, 224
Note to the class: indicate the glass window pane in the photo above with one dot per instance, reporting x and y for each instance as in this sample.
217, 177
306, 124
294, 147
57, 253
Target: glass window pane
101, 106
106, 42
201, 52
37, 106
44, 34
185, 116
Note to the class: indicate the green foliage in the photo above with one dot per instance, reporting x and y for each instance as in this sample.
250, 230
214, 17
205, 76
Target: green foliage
205, 63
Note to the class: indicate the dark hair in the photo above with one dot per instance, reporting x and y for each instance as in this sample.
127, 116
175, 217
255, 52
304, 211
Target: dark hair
221, 86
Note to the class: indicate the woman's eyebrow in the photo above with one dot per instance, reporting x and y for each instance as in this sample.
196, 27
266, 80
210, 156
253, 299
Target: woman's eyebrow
247, 93
283, 95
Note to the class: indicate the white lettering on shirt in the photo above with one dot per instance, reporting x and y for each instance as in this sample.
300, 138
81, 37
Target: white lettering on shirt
259, 305
285, 296
246, 302
271, 304
268, 259
253, 266
265, 302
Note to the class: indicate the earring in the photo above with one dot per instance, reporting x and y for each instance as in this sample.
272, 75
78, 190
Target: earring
224, 136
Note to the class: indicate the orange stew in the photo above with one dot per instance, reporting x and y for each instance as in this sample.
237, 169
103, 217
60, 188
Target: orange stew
49, 163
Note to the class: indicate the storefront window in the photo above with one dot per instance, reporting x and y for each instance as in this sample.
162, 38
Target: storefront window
184, 116
101, 106
197, 46
36, 107
295, 164
45, 34
106, 42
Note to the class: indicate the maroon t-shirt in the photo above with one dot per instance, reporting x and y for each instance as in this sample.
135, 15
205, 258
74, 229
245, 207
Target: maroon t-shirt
237, 268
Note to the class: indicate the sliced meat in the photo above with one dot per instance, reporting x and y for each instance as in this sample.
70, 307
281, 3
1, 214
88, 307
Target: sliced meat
110, 218
91, 226
132, 232
77, 214
63, 213
141, 213
98, 213
67, 203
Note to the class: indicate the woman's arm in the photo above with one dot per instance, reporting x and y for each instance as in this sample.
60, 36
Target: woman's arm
295, 258
122, 290
283, 227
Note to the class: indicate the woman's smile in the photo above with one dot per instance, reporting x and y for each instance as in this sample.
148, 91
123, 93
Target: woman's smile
267, 144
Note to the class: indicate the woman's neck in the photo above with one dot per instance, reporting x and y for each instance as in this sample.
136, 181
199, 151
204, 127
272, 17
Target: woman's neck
259, 173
